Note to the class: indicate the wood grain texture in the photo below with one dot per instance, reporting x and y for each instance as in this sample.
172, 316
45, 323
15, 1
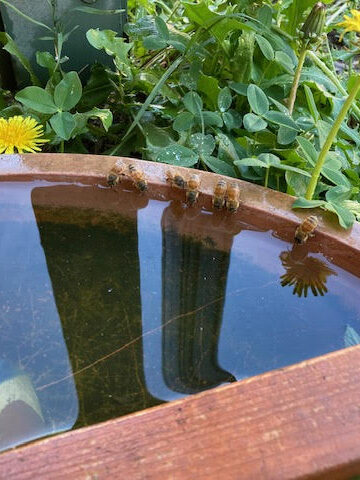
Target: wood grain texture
300, 422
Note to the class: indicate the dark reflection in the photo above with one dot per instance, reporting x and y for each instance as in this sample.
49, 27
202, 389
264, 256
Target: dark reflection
92, 259
304, 272
194, 275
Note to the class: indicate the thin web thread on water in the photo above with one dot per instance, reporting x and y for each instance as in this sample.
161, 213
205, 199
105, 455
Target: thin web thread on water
149, 332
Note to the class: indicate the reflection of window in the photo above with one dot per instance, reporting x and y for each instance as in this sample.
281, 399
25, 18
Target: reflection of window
194, 275
304, 272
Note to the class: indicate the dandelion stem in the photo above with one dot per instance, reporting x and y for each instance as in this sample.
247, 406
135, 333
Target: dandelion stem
296, 80
330, 139
267, 177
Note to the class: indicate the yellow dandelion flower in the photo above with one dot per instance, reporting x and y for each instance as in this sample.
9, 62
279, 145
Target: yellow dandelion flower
351, 24
20, 133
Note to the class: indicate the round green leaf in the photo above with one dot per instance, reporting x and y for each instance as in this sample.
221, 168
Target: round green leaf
265, 47
257, 99
178, 155
218, 166
224, 99
37, 99
253, 123
193, 102
203, 144
63, 124
68, 92
184, 121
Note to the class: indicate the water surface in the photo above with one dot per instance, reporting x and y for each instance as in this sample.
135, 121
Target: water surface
106, 309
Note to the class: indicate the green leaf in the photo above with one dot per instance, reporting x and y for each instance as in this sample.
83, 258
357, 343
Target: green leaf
212, 119
178, 155
154, 42
63, 124
104, 114
219, 25
251, 162
265, 47
346, 218
297, 183
311, 104
97, 89
184, 121
97, 11
46, 60
285, 61
224, 99
202, 144
11, 47
280, 118
193, 102
162, 28
338, 194
257, 99
335, 176
232, 119
253, 123
209, 86
304, 203
240, 88
286, 135
308, 150
323, 129
68, 92
218, 166
37, 99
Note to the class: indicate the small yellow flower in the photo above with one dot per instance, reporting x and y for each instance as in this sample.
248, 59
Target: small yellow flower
350, 24
20, 133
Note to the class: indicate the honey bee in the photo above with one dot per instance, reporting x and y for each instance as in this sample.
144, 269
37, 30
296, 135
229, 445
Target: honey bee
233, 197
219, 194
192, 191
306, 229
176, 179
138, 177
115, 173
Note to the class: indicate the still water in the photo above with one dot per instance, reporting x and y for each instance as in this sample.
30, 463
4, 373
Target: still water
106, 309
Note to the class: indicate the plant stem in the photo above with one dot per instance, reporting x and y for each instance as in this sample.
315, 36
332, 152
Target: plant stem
267, 177
296, 80
330, 139
62, 146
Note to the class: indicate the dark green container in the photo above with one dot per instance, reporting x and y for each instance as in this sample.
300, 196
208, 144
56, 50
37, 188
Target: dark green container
81, 54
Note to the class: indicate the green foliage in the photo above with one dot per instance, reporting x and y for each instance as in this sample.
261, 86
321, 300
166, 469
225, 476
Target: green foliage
206, 84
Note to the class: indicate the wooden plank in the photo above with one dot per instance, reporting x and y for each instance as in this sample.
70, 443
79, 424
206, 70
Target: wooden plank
300, 422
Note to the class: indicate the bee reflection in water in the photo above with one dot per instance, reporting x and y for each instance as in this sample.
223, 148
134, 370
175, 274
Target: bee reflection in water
304, 272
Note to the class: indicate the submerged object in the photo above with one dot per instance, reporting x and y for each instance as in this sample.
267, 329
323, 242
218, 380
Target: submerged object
306, 229
21, 418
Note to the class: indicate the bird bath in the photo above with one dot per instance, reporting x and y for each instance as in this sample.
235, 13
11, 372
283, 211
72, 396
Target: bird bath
114, 300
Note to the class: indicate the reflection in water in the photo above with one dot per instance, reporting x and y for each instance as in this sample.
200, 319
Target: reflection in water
120, 303
192, 275
304, 272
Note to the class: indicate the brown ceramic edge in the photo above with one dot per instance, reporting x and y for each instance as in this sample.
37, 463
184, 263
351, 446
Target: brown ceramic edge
93, 169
